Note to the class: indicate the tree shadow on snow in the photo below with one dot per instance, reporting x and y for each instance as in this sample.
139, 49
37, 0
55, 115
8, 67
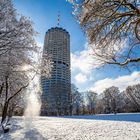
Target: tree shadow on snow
33, 135
14, 127
109, 117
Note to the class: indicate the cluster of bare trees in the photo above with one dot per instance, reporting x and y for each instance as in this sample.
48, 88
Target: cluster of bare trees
83, 102
113, 29
18, 66
110, 101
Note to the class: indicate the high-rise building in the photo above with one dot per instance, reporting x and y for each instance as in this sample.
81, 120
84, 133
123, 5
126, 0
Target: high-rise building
56, 96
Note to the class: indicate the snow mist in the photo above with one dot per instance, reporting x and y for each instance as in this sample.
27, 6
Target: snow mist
33, 102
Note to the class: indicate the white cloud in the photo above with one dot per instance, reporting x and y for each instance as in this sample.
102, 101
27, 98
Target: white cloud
81, 61
121, 82
81, 78
85, 61
82, 64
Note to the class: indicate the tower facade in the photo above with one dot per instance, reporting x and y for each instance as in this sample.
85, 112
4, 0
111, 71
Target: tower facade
56, 96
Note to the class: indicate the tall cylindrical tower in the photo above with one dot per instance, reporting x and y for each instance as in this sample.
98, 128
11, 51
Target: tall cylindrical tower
56, 90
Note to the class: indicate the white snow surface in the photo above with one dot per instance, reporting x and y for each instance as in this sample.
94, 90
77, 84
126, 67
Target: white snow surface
95, 127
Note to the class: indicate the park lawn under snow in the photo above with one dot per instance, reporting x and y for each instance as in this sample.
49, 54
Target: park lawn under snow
96, 127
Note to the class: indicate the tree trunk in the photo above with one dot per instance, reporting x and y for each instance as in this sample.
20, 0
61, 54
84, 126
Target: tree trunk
4, 115
4, 112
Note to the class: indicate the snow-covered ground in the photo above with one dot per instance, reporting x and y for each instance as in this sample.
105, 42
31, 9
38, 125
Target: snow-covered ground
96, 127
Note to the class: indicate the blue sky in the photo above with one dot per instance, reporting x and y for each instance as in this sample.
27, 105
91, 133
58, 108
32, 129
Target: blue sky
44, 13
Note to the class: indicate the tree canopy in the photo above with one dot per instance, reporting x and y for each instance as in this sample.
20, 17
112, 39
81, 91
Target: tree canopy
20, 58
112, 28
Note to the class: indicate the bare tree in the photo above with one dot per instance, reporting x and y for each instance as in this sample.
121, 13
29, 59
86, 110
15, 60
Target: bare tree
77, 100
126, 104
14, 32
99, 108
18, 64
133, 93
110, 99
91, 101
16, 75
113, 29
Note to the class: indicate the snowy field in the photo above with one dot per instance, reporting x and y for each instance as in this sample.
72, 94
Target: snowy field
97, 127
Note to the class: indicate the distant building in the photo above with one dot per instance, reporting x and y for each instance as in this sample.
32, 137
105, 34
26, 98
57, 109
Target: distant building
56, 96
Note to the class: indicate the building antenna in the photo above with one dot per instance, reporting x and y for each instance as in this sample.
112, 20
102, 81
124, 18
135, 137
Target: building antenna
58, 19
